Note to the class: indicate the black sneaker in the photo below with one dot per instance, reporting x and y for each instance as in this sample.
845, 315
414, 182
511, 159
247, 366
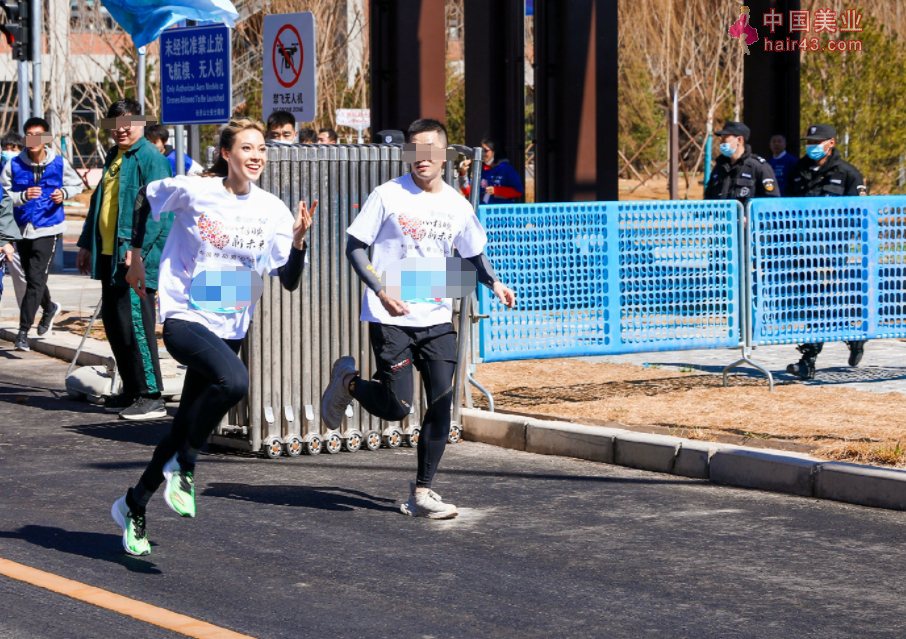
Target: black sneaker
856, 351
802, 370
116, 403
145, 408
21, 343
46, 323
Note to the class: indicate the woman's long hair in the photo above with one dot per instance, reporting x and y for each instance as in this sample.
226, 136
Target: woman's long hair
228, 133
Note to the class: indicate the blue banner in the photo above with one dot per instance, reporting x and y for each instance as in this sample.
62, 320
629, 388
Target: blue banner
145, 20
195, 75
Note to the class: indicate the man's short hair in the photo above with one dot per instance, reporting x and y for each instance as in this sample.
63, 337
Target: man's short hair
156, 132
279, 119
41, 122
331, 134
779, 135
12, 139
126, 106
426, 125
308, 136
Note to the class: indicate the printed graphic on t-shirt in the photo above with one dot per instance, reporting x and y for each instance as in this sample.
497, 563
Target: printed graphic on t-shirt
233, 242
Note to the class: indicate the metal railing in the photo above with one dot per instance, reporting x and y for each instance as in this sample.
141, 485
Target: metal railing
296, 336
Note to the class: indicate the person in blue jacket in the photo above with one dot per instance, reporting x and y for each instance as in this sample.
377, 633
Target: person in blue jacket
158, 135
781, 161
500, 184
38, 180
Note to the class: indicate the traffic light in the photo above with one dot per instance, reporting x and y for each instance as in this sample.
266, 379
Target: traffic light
16, 27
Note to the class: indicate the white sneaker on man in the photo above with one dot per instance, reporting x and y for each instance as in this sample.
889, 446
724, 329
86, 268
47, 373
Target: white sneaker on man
336, 398
427, 503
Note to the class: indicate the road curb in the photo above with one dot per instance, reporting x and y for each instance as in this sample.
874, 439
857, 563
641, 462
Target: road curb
66, 353
775, 471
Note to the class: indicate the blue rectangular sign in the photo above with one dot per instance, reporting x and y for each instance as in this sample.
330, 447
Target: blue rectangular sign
195, 75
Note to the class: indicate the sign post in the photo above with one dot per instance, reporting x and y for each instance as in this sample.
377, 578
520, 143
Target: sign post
196, 81
290, 66
358, 119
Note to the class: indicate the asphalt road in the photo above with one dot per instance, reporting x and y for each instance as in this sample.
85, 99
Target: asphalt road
316, 547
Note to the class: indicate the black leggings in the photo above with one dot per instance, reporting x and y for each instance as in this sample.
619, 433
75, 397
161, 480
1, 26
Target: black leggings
390, 399
216, 380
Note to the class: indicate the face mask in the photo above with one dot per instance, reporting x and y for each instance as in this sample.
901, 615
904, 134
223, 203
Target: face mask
6, 156
815, 151
727, 150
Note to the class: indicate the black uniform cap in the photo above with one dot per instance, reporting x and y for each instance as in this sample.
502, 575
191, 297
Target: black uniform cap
820, 132
734, 128
390, 136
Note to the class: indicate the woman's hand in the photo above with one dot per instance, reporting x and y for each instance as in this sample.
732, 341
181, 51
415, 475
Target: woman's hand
303, 223
504, 294
464, 167
135, 276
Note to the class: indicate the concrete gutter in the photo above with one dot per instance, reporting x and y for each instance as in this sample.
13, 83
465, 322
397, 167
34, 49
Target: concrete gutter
777, 471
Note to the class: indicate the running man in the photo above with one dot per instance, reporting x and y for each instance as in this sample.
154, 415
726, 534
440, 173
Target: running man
224, 229
416, 215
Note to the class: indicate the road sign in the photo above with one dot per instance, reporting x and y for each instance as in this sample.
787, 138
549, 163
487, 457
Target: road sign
290, 66
358, 119
196, 75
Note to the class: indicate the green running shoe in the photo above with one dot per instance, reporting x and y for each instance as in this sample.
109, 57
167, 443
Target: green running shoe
135, 537
180, 493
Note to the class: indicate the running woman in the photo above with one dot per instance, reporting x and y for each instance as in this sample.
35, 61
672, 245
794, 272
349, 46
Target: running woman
225, 225
416, 215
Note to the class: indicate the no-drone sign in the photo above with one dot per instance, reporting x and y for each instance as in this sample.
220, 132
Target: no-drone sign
290, 66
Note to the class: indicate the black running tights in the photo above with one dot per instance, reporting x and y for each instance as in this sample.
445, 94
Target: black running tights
390, 400
216, 380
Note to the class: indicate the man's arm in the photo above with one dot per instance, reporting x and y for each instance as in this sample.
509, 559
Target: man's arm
767, 184
855, 183
486, 274
72, 183
357, 254
6, 181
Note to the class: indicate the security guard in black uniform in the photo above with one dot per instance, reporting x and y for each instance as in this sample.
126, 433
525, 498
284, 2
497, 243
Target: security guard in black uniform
823, 173
739, 174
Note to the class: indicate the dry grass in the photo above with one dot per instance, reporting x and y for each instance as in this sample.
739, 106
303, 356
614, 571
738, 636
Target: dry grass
840, 423
76, 324
656, 189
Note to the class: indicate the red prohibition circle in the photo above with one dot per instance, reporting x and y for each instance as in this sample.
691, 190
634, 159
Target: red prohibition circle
277, 42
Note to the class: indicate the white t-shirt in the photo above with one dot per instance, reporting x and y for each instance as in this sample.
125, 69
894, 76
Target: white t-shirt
400, 220
213, 228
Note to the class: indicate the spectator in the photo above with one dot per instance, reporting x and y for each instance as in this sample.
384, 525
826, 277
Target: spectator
158, 135
782, 161
327, 136
308, 136
500, 184
11, 145
37, 181
105, 254
281, 127
9, 233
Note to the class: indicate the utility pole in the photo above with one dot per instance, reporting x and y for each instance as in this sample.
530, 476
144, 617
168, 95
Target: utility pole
140, 79
194, 137
36, 15
15, 26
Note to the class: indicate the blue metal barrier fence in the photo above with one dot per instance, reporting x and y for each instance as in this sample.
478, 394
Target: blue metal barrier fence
827, 269
604, 278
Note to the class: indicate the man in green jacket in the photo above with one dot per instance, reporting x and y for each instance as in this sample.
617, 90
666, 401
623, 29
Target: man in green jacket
105, 249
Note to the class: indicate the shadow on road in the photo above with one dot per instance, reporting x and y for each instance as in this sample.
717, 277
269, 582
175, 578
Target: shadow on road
320, 497
148, 433
84, 544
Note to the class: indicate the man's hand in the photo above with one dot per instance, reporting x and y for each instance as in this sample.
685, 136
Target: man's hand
8, 250
33, 192
57, 196
303, 223
464, 167
396, 308
489, 190
83, 262
504, 294
135, 276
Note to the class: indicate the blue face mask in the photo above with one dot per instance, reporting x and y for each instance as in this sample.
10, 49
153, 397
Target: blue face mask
727, 150
815, 151
6, 156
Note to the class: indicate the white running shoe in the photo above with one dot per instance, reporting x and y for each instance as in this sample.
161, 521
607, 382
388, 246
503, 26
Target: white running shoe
336, 398
427, 504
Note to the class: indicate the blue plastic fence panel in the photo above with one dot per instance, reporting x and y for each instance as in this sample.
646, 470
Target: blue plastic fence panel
603, 278
828, 269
